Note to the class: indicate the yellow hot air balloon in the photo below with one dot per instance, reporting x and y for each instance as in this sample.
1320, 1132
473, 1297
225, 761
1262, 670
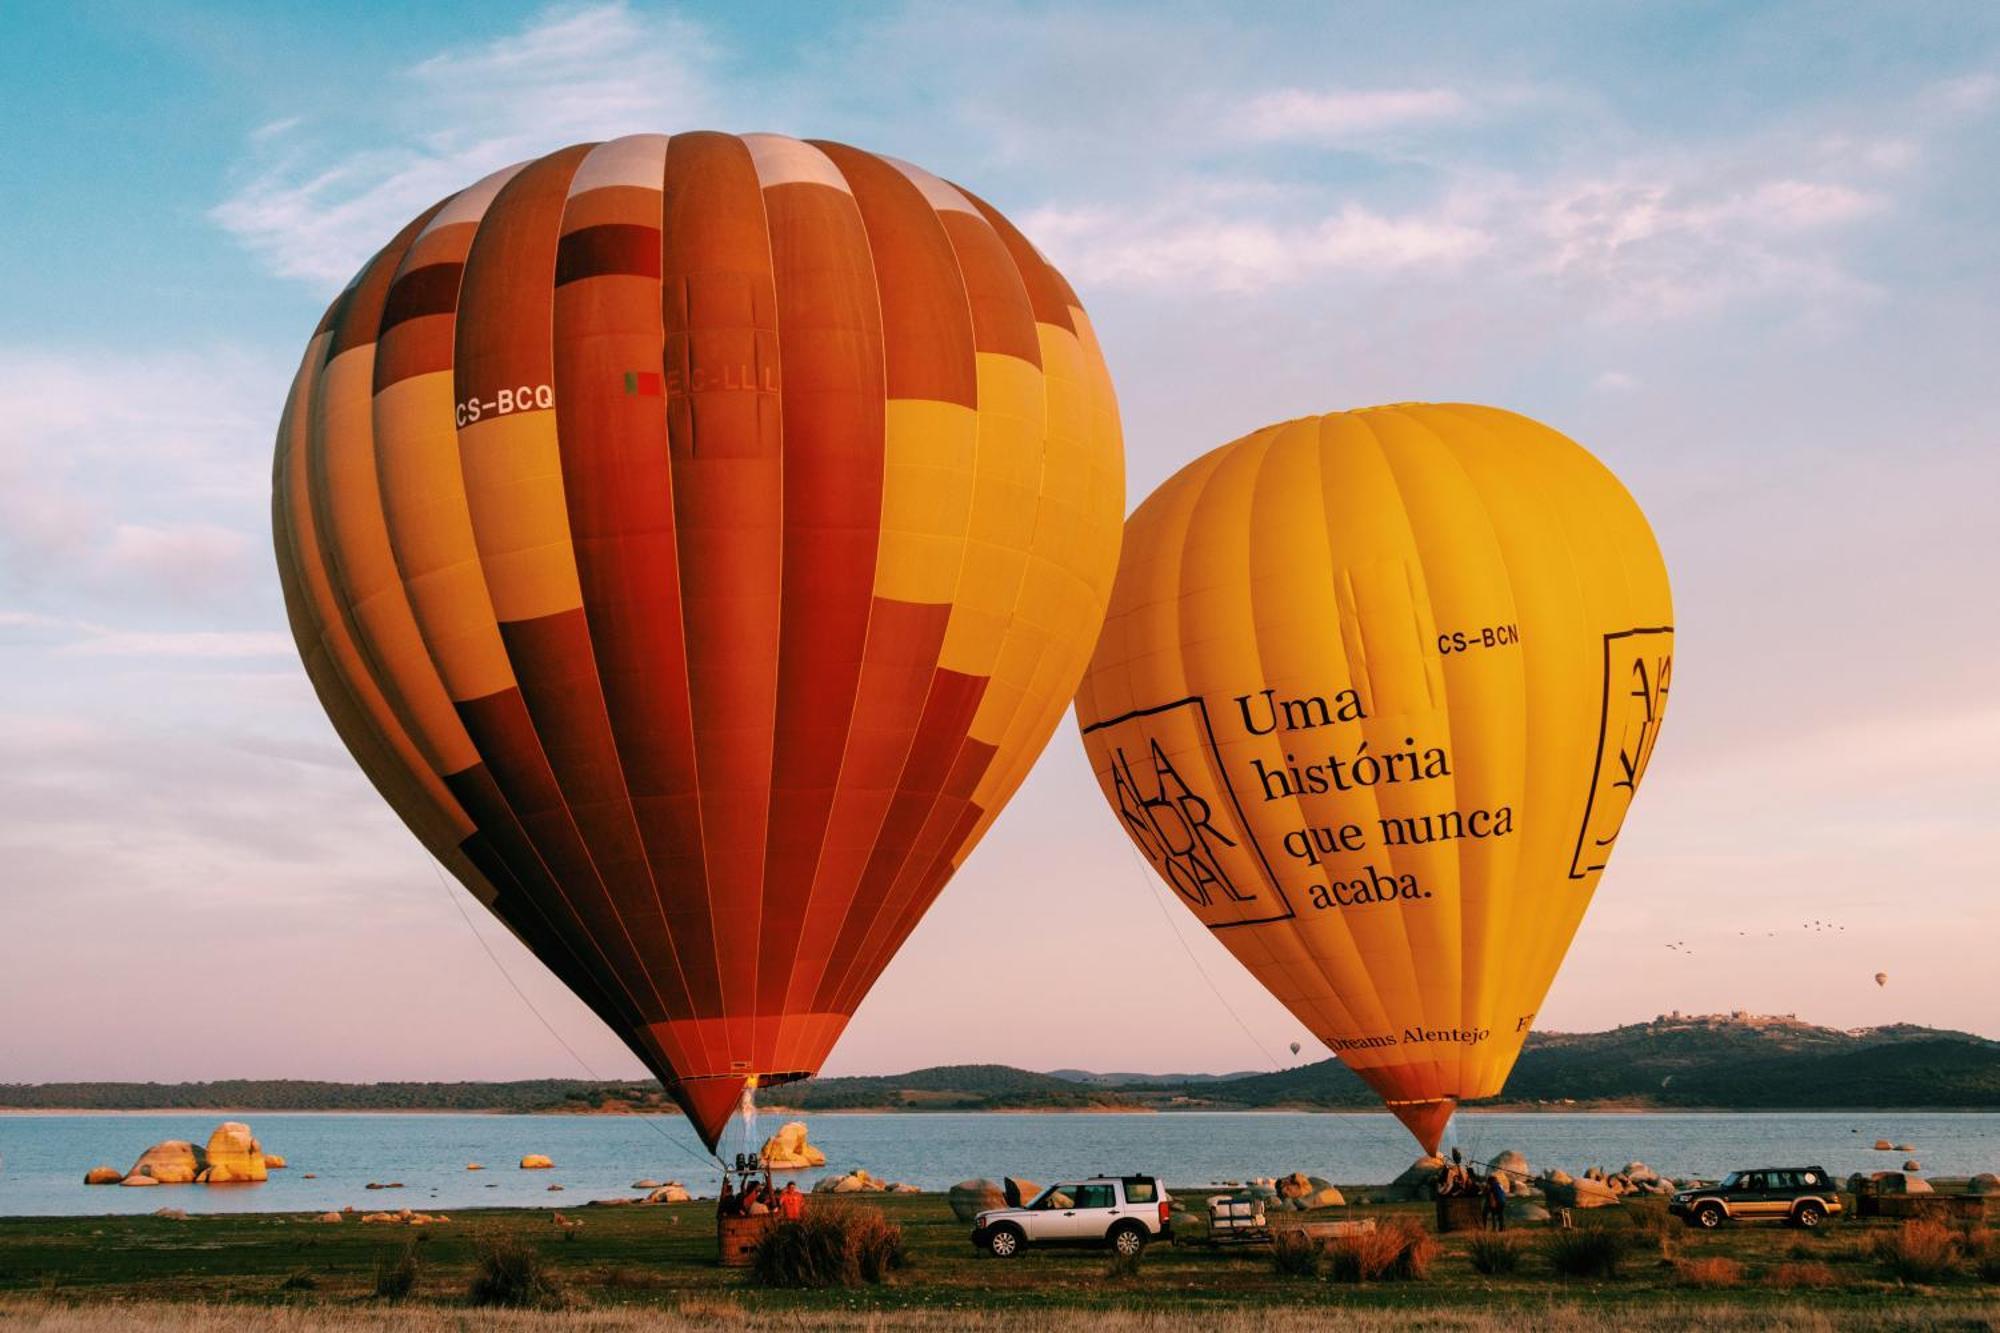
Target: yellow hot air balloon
1373, 696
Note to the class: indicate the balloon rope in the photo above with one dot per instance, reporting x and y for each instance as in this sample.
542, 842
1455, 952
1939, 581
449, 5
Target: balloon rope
508, 977
1151, 887
1151, 891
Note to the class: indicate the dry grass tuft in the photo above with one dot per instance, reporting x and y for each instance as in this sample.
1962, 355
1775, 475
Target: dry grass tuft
1803, 1275
831, 1246
512, 1274
1399, 1252
1494, 1254
1709, 1274
1982, 1250
1919, 1251
396, 1274
1294, 1254
1586, 1252
1124, 1267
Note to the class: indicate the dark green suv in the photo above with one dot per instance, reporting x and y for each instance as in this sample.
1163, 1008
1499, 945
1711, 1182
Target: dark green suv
1803, 1196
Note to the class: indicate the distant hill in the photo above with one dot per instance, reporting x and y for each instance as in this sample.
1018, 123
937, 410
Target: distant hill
1140, 1080
1718, 1061
253, 1094
1687, 1062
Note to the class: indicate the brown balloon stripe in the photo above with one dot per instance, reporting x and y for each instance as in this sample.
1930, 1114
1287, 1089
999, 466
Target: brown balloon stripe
430, 290
628, 249
830, 324
511, 747
953, 700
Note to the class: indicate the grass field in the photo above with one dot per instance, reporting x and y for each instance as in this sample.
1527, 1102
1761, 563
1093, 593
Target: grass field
626, 1267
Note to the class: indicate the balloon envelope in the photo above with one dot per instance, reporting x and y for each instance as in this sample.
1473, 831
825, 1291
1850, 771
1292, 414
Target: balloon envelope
1881, 978
695, 538
1373, 695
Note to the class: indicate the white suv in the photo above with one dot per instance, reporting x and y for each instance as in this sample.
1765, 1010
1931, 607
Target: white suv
1124, 1212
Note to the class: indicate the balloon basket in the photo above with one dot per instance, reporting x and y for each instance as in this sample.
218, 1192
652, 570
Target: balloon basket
737, 1237
1460, 1212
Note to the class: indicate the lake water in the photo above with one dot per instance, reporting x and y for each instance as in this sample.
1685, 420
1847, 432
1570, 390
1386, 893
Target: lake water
43, 1157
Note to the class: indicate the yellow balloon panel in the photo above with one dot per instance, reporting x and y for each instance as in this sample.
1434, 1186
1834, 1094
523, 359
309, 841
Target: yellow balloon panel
1373, 696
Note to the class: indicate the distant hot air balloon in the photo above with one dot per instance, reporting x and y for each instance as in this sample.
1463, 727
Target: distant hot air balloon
1373, 696
696, 538
1881, 978
1295, 1048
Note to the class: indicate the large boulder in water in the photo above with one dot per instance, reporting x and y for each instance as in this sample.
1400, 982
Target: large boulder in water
175, 1162
969, 1198
535, 1161
234, 1155
1510, 1166
102, 1175
787, 1150
1897, 1182
1295, 1186
1983, 1183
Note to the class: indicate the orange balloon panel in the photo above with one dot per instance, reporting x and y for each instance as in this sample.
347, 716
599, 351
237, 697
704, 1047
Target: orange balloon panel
696, 538
1373, 694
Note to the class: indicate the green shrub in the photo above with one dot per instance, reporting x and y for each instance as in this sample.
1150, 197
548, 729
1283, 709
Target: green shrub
831, 1246
513, 1274
1494, 1254
1586, 1252
302, 1280
396, 1274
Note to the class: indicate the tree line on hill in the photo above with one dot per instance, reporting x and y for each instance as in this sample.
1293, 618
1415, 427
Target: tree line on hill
1670, 1063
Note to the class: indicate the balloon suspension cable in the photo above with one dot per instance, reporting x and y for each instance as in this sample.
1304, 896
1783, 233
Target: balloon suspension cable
1152, 888
512, 985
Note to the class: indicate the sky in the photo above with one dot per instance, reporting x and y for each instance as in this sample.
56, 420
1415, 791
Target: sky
1744, 253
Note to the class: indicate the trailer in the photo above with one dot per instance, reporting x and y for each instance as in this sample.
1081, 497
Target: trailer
1240, 1220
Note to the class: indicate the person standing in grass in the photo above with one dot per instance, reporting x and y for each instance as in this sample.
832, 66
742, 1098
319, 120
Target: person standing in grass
791, 1202
1496, 1202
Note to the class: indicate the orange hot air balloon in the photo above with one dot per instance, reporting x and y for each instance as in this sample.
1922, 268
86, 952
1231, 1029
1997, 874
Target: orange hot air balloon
1373, 695
696, 538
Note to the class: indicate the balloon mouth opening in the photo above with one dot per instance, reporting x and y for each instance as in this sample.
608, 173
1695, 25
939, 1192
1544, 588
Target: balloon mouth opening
1426, 1120
711, 1101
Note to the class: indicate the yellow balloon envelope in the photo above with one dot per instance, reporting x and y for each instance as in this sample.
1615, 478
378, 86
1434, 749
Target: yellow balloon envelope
1374, 695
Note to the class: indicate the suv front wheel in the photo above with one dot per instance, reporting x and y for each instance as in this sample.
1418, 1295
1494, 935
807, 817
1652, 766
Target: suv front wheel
1004, 1241
1809, 1215
1709, 1216
1128, 1238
